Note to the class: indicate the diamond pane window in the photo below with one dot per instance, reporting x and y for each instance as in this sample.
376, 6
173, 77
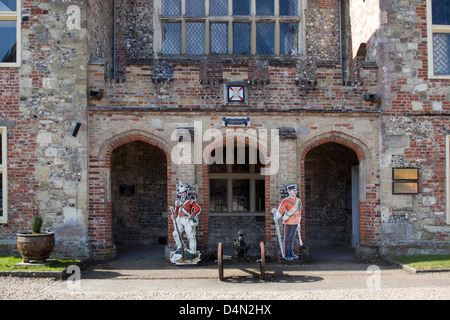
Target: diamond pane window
219, 38
218, 7
441, 47
439, 37
241, 37
195, 38
202, 27
8, 43
288, 38
265, 38
10, 22
241, 7
265, 7
171, 8
441, 12
195, 7
288, 7
8, 5
171, 38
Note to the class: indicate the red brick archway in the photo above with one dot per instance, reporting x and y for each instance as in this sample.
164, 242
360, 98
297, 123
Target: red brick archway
100, 204
369, 215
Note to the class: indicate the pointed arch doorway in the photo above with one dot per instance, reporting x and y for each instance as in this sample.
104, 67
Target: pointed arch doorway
139, 201
331, 201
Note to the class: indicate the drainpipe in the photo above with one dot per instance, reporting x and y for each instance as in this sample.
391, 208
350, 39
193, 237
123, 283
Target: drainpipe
340, 40
114, 41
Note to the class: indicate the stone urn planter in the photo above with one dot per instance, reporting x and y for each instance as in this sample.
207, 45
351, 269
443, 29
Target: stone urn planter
35, 246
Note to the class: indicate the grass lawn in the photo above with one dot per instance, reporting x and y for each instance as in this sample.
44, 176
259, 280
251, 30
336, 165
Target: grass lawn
7, 263
421, 262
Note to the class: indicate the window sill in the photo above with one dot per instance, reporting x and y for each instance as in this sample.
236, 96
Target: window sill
227, 58
440, 77
237, 214
10, 65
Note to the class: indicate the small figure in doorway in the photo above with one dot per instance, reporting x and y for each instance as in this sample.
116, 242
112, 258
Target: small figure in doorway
240, 248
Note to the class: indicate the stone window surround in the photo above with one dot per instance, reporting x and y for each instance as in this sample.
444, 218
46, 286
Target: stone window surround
430, 30
157, 26
4, 173
14, 16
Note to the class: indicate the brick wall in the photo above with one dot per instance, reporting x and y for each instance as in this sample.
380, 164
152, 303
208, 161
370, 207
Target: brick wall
414, 122
44, 99
22, 182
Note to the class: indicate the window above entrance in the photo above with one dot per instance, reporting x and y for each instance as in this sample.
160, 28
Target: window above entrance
214, 27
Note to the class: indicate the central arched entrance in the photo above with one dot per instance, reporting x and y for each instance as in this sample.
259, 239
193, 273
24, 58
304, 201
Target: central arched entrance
331, 201
139, 199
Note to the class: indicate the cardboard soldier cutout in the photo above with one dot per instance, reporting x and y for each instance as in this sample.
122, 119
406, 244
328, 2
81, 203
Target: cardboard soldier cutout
185, 219
288, 215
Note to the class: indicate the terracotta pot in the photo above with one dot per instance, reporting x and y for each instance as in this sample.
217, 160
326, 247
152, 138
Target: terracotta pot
35, 247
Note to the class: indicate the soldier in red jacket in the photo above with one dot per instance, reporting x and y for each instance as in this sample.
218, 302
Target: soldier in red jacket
185, 217
290, 211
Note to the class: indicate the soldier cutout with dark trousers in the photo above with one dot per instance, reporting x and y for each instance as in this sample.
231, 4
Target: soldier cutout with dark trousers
290, 211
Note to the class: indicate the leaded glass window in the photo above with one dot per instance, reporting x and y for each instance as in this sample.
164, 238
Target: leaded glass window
9, 33
200, 27
440, 37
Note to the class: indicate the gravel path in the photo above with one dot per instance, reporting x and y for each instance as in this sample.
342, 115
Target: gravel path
13, 288
148, 280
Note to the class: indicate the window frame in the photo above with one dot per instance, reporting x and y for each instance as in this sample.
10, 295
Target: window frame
4, 172
253, 19
403, 180
252, 176
14, 16
431, 30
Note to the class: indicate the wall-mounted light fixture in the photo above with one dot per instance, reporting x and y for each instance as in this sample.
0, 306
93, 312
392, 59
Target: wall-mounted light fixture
98, 94
371, 97
75, 131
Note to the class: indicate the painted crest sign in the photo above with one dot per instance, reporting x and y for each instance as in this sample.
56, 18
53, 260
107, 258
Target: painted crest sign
236, 93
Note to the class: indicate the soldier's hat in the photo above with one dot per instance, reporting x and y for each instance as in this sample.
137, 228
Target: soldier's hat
182, 187
292, 187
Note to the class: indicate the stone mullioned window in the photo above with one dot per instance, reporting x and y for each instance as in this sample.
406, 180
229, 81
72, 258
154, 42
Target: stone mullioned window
199, 27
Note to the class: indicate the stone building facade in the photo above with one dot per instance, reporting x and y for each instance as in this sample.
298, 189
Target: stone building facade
101, 94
